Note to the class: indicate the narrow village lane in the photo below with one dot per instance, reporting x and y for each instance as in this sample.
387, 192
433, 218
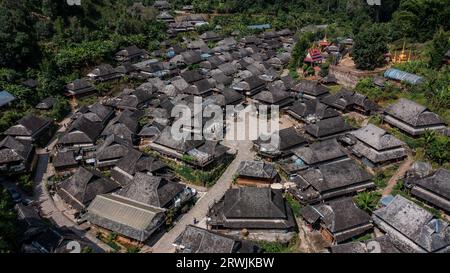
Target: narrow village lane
164, 245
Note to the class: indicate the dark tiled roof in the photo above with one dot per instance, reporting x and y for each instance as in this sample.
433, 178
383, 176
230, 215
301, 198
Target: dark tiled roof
151, 190
257, 169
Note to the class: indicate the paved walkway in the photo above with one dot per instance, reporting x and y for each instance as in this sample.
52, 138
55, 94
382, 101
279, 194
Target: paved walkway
164, 245
398, 175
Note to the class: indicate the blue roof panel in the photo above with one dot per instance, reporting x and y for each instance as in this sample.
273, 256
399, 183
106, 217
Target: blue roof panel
400, 75
5, 98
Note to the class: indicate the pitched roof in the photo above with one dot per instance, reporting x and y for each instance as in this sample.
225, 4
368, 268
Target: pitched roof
82, 187
327, 127
288, 138
114, 147
414, 222
82, 130
312, 109
345, 99
28, 126
311, 87
377, 138
124, 216
12, 150
46, 103
413, 113
257, 169
320, 152
6, 97
254, 203
382, 244
64, 159
438, 183
182, 145
335, 175
151, 190
341, 214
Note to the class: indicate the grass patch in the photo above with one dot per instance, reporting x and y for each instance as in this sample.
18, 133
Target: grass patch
294, 204
381, 178
363, 237
278, 247
194, 176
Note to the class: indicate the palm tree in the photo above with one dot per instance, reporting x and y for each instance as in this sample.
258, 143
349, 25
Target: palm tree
367, 200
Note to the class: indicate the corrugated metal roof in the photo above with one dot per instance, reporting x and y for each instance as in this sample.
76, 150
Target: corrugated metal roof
124, 211
400, 75
262, 26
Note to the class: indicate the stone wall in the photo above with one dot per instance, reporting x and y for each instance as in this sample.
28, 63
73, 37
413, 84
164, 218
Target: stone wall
349, 76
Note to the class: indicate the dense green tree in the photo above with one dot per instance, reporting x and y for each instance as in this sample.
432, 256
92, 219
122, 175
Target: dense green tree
8, 223
300, 50
369, 48
439, 46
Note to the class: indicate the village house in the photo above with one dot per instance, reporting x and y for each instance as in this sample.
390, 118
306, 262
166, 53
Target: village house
46, 104
31, 128
210, 36
311, 90
129, 219
330, 181
124, 125
16, 156
199, 240
382, 244
191, 57
131, 54
149, 133
253, 209
338, 220
40, 237
412, 228
79, 88
96, 112
433, 188
161, 5
281, 144
412, 118
256, 173
104, 73
374, 146
314, 155
165, 17
157, 191
349, 101
280, 98
311, 111
328, 128
81, 133
250, 86
65, 162
83, 186
110, 151
134, 162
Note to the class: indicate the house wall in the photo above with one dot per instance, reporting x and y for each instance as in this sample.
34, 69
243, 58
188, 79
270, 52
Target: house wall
327, 235
253, 182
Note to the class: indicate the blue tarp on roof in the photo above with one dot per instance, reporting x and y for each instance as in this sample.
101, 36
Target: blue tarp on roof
396, 74
385, 200
263, 26
6, 97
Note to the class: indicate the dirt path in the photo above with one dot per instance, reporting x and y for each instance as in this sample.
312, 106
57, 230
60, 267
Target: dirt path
398, 175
